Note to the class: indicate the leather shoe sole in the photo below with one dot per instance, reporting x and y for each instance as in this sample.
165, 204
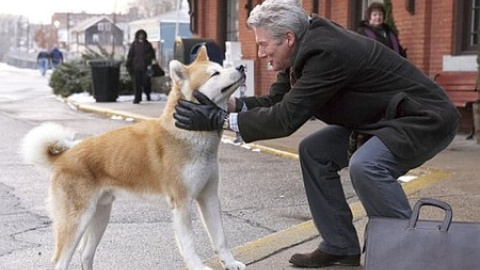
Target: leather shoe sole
318, 259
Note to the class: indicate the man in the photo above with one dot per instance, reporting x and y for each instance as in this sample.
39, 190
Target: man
140, 56
57, 58
43, 58
361, 89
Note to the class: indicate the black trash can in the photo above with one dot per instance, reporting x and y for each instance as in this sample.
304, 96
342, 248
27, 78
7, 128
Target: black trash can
185, 50
106, 79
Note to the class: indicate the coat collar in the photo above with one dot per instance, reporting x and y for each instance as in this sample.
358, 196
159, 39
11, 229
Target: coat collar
299, 42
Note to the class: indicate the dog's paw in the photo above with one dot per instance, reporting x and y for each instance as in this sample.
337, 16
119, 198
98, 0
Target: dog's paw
235, 265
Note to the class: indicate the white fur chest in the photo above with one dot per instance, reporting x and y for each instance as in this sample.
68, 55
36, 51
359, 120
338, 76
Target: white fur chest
202, 165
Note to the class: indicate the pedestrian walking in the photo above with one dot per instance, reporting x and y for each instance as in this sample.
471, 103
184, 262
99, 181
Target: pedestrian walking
43, 59
389, 115
139, 58
56, 57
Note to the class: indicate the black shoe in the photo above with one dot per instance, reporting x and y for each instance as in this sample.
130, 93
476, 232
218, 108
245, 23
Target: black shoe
149, 98
136, 102
318, 259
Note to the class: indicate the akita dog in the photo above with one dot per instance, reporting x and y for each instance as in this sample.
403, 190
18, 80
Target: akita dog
151, 159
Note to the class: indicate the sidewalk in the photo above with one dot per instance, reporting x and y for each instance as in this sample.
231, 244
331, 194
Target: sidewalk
451, 176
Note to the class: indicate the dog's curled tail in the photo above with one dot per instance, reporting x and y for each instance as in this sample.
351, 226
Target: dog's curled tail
43, 144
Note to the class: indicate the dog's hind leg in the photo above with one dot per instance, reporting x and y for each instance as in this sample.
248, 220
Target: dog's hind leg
69, 222
209, 206
182, 223
95, 229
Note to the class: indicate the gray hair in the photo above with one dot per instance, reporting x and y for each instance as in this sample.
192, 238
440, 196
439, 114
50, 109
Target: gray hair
280, 16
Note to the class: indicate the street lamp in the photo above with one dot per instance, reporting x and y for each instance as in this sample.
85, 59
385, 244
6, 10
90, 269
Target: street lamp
56, 24
25, 30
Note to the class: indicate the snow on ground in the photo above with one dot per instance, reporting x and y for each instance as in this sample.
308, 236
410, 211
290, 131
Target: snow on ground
79, 97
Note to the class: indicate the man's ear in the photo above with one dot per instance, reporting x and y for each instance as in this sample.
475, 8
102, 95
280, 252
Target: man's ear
290, 37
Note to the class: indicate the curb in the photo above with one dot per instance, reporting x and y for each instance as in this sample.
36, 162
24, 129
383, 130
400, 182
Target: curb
107, 112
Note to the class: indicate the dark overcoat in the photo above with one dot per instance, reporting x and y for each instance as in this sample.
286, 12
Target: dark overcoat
140, 54
346, 79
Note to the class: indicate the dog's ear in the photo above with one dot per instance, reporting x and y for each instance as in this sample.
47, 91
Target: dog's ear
178, 72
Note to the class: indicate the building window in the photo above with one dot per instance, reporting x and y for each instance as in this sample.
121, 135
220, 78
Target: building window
232, 20
95, 38
104, 26
467, 26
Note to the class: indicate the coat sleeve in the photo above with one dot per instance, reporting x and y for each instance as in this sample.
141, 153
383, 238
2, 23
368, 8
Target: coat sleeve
151, 53
276, 93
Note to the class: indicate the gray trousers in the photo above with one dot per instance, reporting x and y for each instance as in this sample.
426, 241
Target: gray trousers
374, 171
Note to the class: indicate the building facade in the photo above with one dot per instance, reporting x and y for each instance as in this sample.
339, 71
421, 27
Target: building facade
440, 35
95, 34
162, 31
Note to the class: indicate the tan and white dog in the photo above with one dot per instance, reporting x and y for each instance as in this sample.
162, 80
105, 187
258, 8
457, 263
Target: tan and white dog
151, 159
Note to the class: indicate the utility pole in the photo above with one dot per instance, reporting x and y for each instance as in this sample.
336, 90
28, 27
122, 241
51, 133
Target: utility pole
68, 32
28, 36
178, 18
112, 29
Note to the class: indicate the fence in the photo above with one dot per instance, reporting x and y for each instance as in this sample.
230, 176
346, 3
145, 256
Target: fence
21, 59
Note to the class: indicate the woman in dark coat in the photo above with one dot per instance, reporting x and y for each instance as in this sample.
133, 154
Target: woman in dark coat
356, 86
140, 56
374, 27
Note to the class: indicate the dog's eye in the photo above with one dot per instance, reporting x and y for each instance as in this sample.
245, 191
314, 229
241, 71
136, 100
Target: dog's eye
215, 74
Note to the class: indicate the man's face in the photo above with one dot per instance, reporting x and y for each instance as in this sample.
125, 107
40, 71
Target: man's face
376, 18
276, 53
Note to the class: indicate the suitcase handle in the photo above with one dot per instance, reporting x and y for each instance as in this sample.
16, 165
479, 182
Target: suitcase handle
431, 202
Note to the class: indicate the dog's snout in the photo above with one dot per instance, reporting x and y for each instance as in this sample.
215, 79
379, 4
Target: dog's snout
241, 68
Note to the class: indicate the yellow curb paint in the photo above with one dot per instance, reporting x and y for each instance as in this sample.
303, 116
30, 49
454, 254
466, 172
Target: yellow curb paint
109, 112
429, 176
426, 177
268, 150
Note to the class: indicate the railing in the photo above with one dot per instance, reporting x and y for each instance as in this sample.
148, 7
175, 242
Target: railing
21, 59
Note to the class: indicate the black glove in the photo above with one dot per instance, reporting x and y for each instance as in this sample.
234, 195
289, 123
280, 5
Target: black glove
206, 116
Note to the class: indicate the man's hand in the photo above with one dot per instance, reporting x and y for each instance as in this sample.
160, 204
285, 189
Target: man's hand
206, 116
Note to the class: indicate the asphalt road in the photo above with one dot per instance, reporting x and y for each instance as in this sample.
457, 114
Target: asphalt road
260, 193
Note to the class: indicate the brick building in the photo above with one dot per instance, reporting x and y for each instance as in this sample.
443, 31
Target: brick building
439, 35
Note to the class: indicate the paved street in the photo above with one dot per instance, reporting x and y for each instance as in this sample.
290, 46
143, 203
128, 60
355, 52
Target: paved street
261, 193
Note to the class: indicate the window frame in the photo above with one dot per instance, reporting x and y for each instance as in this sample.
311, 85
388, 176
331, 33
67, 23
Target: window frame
104, 27
465, 43
232, 28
